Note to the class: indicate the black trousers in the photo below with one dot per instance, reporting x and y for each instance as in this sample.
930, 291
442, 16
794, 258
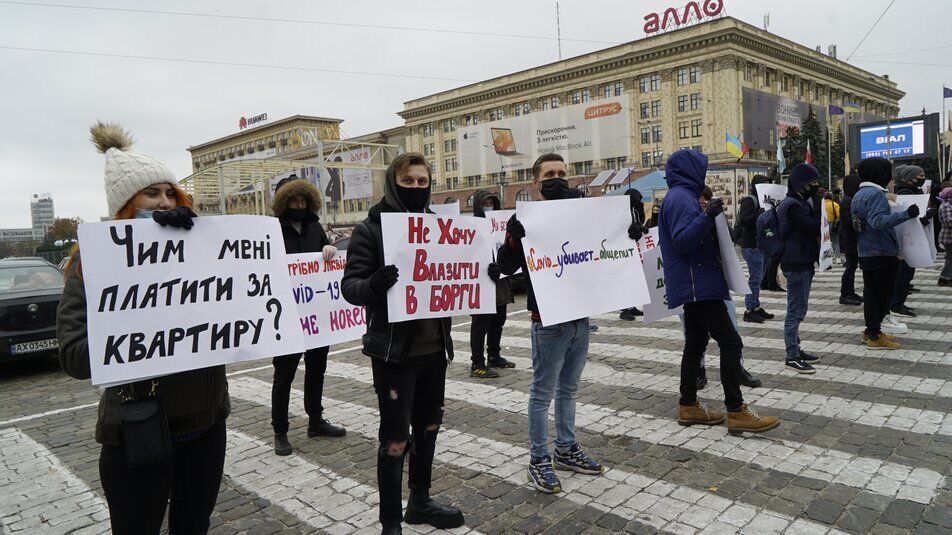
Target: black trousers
188, 484
486, 333
770, 273
848, 282
703, 319
879, 283
903, 283
409, 394
315, 364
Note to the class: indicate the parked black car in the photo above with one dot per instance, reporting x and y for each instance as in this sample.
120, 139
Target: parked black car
30, 291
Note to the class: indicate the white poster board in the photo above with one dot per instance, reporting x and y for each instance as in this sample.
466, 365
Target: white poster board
930, 234
443, 262
927, 186
326, 318
358, 183
653, 264
826, 244
733, 272
451, 208
913, 241
770, 193
162, 300
580, 258
498, 219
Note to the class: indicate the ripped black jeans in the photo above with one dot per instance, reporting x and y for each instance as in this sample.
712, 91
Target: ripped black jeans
409, 394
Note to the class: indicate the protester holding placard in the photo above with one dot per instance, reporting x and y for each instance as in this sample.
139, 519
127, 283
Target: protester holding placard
655, 210
694, 278
559, 352
750, 209
163, 437
408, 358
848, 294
638, 216
945, 235
296, 204
486, 329
878, 250
799, 217
908, 181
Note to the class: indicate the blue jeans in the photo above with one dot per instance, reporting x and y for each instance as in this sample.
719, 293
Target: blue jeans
798, 297
755, 269
558, 358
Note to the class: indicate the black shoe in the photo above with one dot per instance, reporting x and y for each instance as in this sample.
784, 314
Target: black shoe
764, 314
800, 367
806, 357
945, 282
850, 300
903, 310
323, 428
392, 530
421, 509
282, 446
482, 372
857, 297
751, 316
701, 380
913, 289
749, 380
627, 316
499, 362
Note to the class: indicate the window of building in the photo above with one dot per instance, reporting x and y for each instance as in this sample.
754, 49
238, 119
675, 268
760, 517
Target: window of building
526, 108
643, 84
427, 130
426, 149
697, 148
644, 110
656, 134
619, 88
610, 163
655, 82
516, 110
695, 101
696, 128
682, 102
683, 130
449, 145
607, 91
655, 108
497, 114
645, 134
585, 95
748, 73
446, 127
622, 161
785, 83
658, 157
469, 202
694, 74
682, 76
523, 174
646, 159
554, 102
545, 104
522, 195
576, 97
449, 200
766, 78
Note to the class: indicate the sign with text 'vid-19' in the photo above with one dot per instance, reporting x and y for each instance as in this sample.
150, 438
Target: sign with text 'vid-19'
580, 258
162, 300
443, 263
326, 317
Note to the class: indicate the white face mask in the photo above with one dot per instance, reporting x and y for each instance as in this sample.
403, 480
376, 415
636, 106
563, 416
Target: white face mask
144, 214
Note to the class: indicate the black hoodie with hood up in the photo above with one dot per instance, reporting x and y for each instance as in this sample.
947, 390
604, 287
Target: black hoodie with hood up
504, 294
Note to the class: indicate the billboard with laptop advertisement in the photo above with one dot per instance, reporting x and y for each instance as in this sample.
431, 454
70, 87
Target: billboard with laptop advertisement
580, 132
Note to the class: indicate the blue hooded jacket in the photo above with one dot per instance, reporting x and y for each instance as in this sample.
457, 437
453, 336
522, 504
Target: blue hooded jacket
692, 266
871, 207
799, 222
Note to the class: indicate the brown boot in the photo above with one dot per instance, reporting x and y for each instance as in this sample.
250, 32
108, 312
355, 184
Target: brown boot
698, 414
747, 421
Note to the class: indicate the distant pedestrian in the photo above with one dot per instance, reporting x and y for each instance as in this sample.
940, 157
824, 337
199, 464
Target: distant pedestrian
945, 237
638, 217
848, 295
747, 215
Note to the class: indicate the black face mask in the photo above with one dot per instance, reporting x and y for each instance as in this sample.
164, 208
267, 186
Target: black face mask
554, 188
295, 215
414, 199
812, 191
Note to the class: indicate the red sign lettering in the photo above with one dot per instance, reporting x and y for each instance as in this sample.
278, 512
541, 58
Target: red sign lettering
691, 12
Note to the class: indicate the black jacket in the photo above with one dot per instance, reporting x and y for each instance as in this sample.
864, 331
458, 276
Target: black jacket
311, 239
800, 232
512, 259
384, 340
847, 231
747, 222
504, 294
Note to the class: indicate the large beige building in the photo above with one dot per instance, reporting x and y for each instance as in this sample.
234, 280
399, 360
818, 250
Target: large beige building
684, 88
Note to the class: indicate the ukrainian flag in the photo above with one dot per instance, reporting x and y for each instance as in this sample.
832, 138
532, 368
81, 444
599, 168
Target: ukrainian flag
852, 107
735, 146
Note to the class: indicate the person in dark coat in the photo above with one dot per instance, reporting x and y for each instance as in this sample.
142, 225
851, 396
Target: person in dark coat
747, 215
408, 358
486, 329
848, 295
296, 204
638, 216
694, 278
909, 180
771, 282
655, 210
799, 216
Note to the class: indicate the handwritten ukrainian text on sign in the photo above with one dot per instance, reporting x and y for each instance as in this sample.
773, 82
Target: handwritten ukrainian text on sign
326, 318
443, 262
913, 241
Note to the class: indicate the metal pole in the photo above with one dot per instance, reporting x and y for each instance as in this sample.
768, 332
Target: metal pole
323, 169
221, 189
829, 159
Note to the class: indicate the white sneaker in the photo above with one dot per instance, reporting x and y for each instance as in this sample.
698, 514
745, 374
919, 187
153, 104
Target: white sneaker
891, 325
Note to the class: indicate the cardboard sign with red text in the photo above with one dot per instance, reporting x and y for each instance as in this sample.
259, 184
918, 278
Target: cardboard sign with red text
498, 219
443, 263
325, 317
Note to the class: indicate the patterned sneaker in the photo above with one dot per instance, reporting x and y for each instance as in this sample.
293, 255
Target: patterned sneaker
542, 476
482, 372
576, 460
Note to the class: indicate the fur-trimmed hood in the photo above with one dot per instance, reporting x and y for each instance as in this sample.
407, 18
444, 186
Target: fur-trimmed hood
287, 190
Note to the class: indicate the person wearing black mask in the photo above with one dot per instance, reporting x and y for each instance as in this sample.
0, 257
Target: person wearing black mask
848, 294
747, 215
638, 216
909, 180
295, 204
408, 358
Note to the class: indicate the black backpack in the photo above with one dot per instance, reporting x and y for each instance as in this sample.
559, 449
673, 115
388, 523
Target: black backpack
768, 234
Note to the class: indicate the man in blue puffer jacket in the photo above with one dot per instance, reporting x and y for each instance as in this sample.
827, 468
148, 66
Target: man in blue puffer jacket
694, 278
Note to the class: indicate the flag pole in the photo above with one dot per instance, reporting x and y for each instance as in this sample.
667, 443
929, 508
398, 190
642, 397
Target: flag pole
829, 158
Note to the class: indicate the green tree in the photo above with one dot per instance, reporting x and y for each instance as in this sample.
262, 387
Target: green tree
795, 147
838, 153
813, 131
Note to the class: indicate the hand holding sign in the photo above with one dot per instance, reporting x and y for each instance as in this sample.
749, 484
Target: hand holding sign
384, 278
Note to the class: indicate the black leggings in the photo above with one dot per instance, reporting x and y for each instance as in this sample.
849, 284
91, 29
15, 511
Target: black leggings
315, 364
848, 282
879, 283
137, 497
486, 332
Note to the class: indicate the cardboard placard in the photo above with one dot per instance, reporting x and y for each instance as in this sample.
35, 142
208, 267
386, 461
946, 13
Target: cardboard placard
325, 317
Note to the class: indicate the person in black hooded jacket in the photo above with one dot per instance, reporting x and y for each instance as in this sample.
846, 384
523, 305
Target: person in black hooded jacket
486, 329
848, 295
408, 359
295, 204
747, 215
638, 216
909, 180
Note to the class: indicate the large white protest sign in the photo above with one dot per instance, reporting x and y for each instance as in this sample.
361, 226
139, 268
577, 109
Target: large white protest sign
653, 264
325, 317
913, 241
580, 258
443, 262
163, 300
733, 272
826, 244
770, 194
450, 208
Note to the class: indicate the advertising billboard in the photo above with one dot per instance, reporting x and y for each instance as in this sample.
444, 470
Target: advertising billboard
765, 115
580, 132
895, 140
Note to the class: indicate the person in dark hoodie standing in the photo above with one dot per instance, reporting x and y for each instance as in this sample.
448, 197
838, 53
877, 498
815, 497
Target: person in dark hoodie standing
909, 180
848, 294
195, 402
408, 359
878, 249
638, 216
798, 216
694, 277
747, 215
486, 329
296, 204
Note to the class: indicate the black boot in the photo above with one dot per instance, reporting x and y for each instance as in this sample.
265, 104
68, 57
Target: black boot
749, 380
421, 509
393, 529
282, 446
495, 361
701, 379
319, 427
390, 489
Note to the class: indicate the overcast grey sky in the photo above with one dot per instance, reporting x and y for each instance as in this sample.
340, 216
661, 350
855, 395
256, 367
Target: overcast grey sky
49, 100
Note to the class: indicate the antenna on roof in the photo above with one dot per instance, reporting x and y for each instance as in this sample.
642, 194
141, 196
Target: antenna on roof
766, 21
558, 29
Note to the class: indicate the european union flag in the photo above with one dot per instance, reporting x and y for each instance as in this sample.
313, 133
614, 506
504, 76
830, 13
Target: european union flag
946, 92
836, 110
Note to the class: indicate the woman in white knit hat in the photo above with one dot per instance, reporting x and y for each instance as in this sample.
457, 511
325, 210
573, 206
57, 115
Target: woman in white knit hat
138, 481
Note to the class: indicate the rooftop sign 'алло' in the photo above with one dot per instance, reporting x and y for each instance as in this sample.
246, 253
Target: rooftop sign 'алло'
691, 13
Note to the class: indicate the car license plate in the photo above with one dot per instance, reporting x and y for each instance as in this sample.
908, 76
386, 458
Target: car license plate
34, 346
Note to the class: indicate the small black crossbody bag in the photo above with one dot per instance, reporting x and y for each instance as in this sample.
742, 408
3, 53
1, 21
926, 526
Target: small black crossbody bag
145, 429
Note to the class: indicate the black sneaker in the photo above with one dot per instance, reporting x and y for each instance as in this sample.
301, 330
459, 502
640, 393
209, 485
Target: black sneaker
850, 301
282, 446
903, 310
576, 460
806, 357
543, 477
482, 372
913, 289
499, 362
858, 298
749, 380
627, 315
763, 313
701, 379
751, 316
323, 428
800, 367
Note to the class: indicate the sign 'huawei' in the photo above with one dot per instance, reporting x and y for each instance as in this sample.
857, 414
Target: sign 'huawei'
674, 17
251, 121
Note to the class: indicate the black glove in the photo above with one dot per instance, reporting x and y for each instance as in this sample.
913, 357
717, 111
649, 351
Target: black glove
634, 231
384, 278
931, 213
912, 211
494, 271
180, 217
515, 229
715, 208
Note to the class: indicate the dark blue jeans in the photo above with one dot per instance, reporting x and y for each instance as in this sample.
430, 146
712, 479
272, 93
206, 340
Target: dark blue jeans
755, 269
798, 297
903, 282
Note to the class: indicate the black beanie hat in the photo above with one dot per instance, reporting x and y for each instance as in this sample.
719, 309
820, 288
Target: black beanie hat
876, 170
